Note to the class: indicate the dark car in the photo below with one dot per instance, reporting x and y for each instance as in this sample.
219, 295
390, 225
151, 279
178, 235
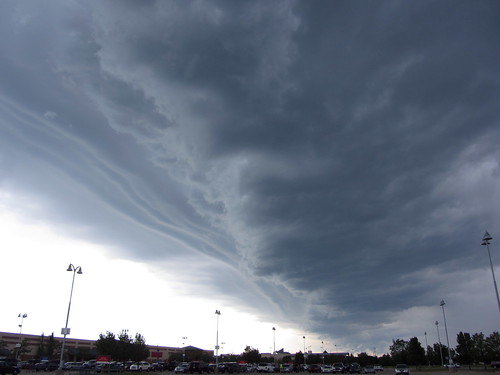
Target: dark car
9, 366
354, 368
198, 367
402, 369
47, 366
314, 368
229, 367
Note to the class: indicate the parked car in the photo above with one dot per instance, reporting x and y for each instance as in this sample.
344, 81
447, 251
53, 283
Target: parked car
9, 366
107, 367
182, 368
339, 368
72, 366
229, 367
141, 366
369, 369
314, 368
378, 368
198, 367
327, 369
265, 367
47, 366
354, 368
402, 369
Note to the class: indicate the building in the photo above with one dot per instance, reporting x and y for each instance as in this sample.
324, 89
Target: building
77, 348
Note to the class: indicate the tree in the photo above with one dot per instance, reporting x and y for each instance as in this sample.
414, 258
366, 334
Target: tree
251, 355
107, 345
416, 354
465, 348
399, 351
492, 343
139, 350
299, 358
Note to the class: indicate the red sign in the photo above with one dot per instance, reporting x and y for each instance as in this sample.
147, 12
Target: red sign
156, 354
103, 358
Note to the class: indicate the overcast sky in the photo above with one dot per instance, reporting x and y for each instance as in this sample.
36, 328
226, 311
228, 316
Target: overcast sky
327, 168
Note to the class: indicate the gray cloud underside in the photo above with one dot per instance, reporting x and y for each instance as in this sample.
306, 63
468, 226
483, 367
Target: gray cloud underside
321, 152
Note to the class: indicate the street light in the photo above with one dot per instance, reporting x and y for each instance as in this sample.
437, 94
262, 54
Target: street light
217, 312
304, 350
446, 330
274, 341
183, 349
66, 330
486, 242
440, 346
18, 346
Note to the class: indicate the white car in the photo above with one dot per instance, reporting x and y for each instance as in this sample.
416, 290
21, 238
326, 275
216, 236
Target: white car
327, 369
182, 368
141, 366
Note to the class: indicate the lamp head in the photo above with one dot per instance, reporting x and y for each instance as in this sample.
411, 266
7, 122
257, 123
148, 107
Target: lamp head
70, 268
79, 270
442, 303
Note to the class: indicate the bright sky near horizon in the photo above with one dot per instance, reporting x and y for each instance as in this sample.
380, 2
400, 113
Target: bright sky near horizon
325, 168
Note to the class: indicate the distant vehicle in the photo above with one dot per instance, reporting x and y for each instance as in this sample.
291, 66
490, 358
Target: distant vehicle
107, 367
339, 368
287, 367
378, 368
141, 366
369, 369
229, 367
327, 369
72, 366
9, 366
182, 368
198, 367
47, 366
157, 366
354, 368
314, 368
402, 369
265, 367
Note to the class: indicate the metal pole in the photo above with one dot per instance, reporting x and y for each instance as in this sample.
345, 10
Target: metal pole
440, 346
486, 239
217, 312
446, 330
65, 332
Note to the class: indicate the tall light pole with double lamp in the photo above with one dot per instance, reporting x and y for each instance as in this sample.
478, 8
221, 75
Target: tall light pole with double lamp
18, 346
440, 346
65, 331
217, 312
446, 330
486, 242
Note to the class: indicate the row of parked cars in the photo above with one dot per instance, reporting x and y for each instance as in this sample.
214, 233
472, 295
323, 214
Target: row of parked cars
341, 368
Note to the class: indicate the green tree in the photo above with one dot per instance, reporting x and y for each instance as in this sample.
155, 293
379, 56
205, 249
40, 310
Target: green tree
299, 358
124, 348
139, 349
399, 351
107, 345
416, 354
251, 355
492, 343
465, 348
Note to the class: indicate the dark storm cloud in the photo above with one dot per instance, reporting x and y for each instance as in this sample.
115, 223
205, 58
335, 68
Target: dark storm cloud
331, 151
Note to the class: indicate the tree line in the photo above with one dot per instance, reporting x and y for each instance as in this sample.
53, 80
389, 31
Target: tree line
470, 349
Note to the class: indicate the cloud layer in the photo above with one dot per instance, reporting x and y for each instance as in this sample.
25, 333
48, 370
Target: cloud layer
331, 164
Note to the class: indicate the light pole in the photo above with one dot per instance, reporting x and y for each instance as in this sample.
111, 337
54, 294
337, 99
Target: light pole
66, 330
446, 330
217, 312
440, 346
427, 348
304, 350
486, 242
322, 353
183, 349
274, 341
18, 346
